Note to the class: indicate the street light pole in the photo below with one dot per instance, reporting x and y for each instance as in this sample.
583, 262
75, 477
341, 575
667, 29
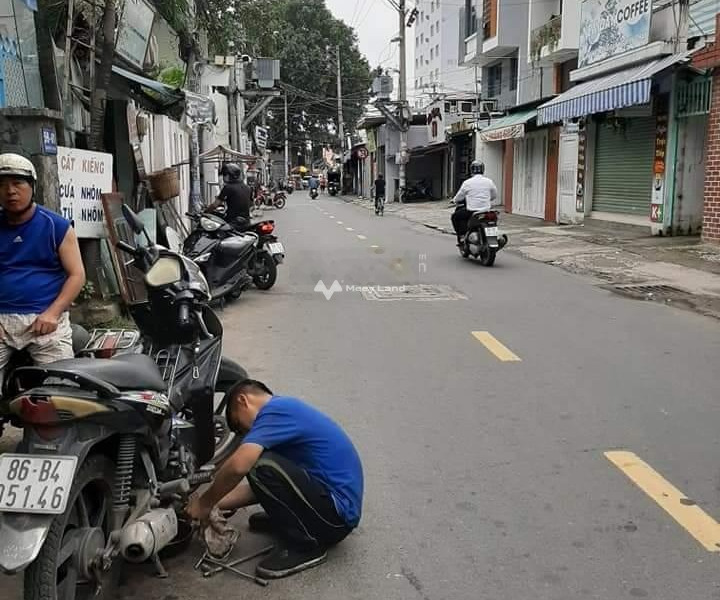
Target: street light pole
341, 124
287, 144
402, 97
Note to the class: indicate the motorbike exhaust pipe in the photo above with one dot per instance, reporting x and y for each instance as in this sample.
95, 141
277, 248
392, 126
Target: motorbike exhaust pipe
148, 535
502, 241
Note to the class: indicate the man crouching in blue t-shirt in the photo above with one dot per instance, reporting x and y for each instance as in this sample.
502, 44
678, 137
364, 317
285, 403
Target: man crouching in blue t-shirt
301, 467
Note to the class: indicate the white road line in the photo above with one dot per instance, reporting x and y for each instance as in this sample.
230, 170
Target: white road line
349, 229
361, 237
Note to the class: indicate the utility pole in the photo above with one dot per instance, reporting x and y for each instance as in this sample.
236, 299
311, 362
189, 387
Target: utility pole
287, 144
402, 95
341, 124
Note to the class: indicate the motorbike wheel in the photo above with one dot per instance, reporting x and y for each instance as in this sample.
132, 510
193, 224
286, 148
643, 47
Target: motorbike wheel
487, 257
267, 276
85, 525
280, 203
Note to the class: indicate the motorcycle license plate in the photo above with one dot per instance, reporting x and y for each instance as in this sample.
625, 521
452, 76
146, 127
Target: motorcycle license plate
276, 248
35, 484
491, 231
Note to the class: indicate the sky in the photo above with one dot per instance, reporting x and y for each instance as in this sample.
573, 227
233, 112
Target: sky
375, 23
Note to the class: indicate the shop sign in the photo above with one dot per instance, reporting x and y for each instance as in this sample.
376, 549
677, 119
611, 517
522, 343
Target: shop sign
504, 133
362, 153
610, 27
133, 32
261, 137
658, 191
84, 177
371, 144
580, 188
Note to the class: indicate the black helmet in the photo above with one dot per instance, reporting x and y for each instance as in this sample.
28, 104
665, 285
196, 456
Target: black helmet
477, 167
232, 172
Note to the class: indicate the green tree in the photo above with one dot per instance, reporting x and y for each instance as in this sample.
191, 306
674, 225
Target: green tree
303, 35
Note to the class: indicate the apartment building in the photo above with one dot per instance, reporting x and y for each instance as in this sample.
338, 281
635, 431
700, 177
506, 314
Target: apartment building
526, 51
437, 53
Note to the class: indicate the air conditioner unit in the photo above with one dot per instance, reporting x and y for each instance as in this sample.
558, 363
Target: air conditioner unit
488, 106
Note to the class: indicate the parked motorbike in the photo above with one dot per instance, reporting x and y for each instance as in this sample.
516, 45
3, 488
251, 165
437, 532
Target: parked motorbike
276, 199
112, 448
232, 259
418, 191
481, 239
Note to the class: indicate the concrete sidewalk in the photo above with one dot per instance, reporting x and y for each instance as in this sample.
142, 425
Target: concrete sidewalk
678, 270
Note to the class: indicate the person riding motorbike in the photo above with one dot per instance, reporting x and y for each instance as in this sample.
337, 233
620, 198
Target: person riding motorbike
41, 270
236, 195
313, 184
475, 194
379, 189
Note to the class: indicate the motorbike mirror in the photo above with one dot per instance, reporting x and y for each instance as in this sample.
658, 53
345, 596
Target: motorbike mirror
133, 220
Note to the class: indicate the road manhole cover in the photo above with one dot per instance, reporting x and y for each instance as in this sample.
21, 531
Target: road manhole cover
412, 292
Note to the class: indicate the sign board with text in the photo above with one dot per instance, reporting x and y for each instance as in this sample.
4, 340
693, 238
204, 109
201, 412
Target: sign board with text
83, 177
610, 27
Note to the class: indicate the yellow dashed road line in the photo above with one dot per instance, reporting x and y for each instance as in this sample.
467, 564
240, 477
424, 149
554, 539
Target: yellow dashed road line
491, 343
688, 515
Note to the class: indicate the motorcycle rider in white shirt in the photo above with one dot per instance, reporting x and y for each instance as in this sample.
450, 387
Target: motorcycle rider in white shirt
476, 194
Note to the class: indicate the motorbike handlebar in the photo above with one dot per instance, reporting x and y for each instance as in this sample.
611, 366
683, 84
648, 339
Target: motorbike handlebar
125, 247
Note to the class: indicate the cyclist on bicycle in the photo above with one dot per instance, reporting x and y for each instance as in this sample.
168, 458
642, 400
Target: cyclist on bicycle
379, 190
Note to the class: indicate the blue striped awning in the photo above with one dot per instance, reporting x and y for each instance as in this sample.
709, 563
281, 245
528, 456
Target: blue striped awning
617, 90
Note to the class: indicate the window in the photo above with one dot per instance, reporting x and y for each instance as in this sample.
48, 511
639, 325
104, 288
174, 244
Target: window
432, 30
432, 53
416, 63
437, 74
421, 82
437, 26
432, 6
437, 50
416, 84
513, 73
17, 24
466, 107
422, 38
447, 107
417, 41
494, 80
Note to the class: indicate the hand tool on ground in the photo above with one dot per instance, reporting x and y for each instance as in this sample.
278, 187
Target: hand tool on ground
206, 560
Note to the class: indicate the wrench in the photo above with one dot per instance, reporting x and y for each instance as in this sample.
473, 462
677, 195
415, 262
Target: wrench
256, 579
237, 561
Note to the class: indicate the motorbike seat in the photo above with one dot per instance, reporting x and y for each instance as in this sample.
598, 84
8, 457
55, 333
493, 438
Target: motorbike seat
125, 371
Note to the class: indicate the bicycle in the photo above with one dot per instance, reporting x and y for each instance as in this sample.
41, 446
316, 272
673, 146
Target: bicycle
380, 205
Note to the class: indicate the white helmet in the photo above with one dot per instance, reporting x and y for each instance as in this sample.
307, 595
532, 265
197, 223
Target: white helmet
19, 166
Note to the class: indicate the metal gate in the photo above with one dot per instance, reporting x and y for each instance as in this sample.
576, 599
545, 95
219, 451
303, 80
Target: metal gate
529, 174
567, 177
623, 167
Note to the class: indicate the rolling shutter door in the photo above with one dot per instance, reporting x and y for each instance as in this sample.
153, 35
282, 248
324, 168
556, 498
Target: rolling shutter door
623, 167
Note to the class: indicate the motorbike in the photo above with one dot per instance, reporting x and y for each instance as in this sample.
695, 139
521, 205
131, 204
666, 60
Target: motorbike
313, 194
264, 197
230, 258
333, 188
481, 239
112, 447
419, 191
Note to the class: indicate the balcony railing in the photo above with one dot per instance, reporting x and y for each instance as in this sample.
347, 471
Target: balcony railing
545, 35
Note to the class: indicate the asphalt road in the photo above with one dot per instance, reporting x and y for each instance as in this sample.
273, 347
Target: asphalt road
485, 479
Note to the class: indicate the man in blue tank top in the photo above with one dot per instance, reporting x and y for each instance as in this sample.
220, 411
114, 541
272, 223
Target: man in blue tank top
301, 467
41, 271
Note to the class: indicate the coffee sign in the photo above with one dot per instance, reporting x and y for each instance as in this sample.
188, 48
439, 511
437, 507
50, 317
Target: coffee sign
611, 27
